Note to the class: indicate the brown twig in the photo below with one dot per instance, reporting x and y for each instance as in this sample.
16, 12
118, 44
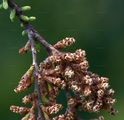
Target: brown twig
37, 89
33, 35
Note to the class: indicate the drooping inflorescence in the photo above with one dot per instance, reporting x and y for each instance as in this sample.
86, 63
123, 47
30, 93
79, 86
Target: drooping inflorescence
69, 72
59, 71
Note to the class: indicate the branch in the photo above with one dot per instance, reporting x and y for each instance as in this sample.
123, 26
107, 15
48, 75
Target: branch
37, 89
50, 49
33, 35
61, 70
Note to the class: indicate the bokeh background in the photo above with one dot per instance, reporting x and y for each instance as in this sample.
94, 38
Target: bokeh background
98, 27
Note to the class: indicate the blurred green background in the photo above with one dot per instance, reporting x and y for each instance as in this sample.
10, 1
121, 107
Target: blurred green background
98, 27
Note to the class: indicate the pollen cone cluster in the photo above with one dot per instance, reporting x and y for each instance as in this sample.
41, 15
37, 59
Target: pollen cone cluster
69, 72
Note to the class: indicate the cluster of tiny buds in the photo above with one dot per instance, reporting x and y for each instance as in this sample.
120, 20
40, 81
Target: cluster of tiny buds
68, 71
25, 81
64, 43
20, 110
53, 109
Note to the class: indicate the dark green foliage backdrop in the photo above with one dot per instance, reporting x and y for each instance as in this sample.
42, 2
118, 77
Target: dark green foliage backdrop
97, 25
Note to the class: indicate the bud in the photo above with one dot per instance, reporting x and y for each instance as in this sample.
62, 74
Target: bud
32, 18
25, 18
26, 8
12, 15
24, 32
5, 4
24, 49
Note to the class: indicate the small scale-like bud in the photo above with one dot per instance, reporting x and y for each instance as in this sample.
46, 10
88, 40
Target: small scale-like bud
69, 57
87, 80
76, 57
103, 85
80, 55
53, 59
88, 105
110, 92
104, 80
26, 8
84, 65
100, 93
19, 110
53, 109
69, 73
80, 52
56, 81
75, 87
87, 91
53, 72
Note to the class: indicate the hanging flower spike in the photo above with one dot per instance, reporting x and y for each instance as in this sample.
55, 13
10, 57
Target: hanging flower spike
25, 81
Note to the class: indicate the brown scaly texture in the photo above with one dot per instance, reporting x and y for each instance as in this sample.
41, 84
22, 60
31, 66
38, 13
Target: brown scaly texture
69, 71
59, 71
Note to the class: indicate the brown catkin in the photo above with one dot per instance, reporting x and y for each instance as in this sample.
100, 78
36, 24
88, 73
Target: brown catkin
64, 43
